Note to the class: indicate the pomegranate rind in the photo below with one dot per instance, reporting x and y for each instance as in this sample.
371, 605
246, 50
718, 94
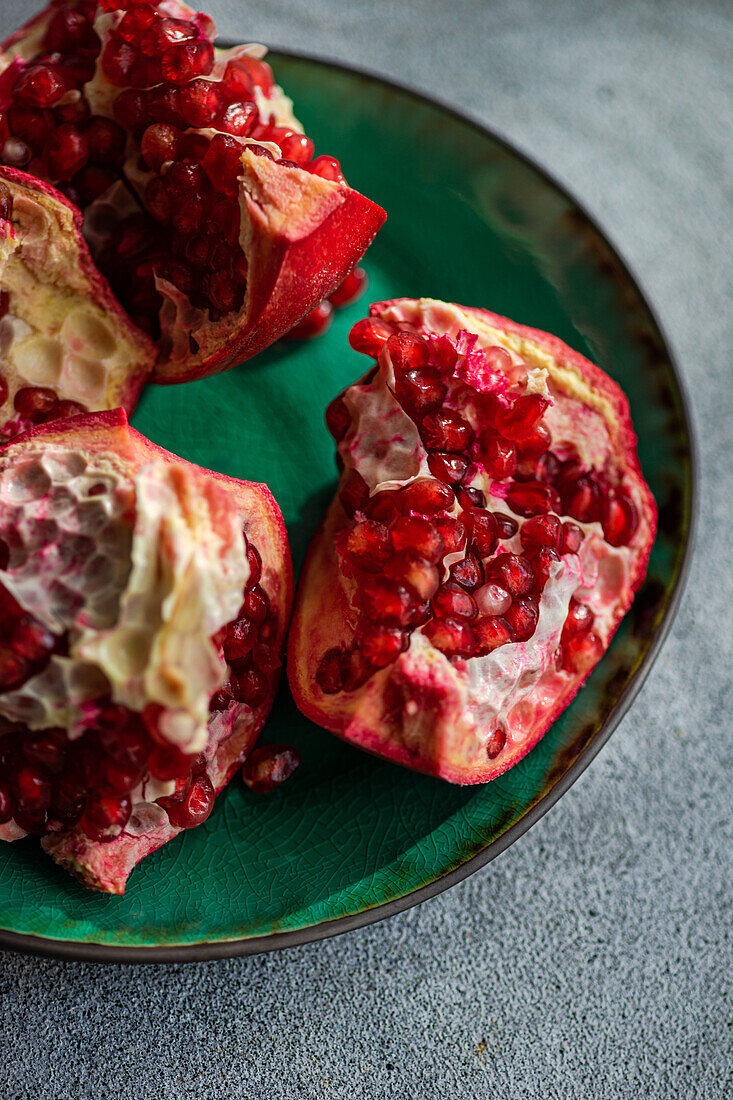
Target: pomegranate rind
232, 733
416, 712
64, 301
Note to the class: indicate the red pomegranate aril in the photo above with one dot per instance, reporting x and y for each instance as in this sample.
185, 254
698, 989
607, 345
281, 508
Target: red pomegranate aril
46, 750
491, 599
453, 637
32, 789
427, 496
444, 430
542, 563
167, 762
469, 572
416, 574
66, 152
496, 743
506, 526
409, 352
448, 468
368, 545
530, 498
513, 572
106, 141
541, 531
40, 85
418, 536
236, 82
581, 652
620, 519
482, 530
269, 766
35, 403
136, 21
453, 602
354, 493
119, 777
159, 144
368, 336
239, 639
536, 444
179, 63
255, 565
200, 102
468, 496
117, 60
314, 323
163, 33
522, 616
385, 505
253, 687
328, 168
571, 538
452, 532
68, 31
14, 670
349, 289
93, 181
581, 499
579, 619
296, 147
338, 418
385, 601
381, 644
331, 671
255, 604
31, 640
238, 119
104, 818
418, 390
499, 456
522, 417
265, 657
33, 126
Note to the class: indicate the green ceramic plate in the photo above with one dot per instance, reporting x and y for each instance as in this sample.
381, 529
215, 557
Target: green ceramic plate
350, 839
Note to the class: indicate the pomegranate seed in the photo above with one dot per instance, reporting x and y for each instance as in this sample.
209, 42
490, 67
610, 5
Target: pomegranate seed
296, 147
491, 599
195, 808
416, 574
381, 644
314, 323
384, 506
507, 526
32, 126
239, 639
106, 141
237, 82
200, 102
338, 418
427, 496
581, 499
369, 335
469, 572
31, 641
69, 30
238, 119
571, 538
269, 766
522, 616
579, 619
206, 25
117, 60
418, 390
453, 637
530, 498
409, 352
75, 110
468, 496
452, 532
513, 572
581, 652
522, 417
496, 743
32, 789
353, 493
368, 545
163, 33
499, 457
35, 403
168, 762
448, 468
452, 602
253, 687
135, 22
482, 531
46, 750
349, 289
14, 670
266, 657
418, 536
331, 671
93, 181
40, 85
328, 168
444, 430
541, 531
159, 144
541, 564
620, 520
384, 601
188, 59
255, 565
255, 604
536, 444
118, 777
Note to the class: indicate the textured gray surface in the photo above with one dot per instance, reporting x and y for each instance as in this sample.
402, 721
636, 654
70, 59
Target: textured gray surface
589, 960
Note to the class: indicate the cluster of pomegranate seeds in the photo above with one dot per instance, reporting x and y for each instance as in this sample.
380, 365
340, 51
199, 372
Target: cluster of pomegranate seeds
49, 783
162, 66
396, 548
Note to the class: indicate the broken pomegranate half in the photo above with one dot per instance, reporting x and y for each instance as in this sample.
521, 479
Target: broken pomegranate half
66, 346
204, 203
144, 607
489, 532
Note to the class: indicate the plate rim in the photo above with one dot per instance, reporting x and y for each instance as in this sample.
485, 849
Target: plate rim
206, 950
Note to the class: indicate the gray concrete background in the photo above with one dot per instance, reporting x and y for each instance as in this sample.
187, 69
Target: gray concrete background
589, 960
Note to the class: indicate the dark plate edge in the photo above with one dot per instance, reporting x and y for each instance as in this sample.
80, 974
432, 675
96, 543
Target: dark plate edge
26, 943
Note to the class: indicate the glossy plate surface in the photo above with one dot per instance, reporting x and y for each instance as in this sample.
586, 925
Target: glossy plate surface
350, 839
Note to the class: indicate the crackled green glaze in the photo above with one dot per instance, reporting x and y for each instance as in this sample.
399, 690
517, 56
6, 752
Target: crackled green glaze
469, 221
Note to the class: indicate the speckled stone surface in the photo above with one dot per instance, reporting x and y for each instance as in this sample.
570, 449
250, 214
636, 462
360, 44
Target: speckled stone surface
590, 959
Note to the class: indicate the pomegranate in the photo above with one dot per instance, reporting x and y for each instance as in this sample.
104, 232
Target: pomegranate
489, 533
204, 205
144, 606
66, 346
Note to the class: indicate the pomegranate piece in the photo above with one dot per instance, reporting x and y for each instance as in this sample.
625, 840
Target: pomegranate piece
68, 346
269, 766
509, 563
134, 114
148, 735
